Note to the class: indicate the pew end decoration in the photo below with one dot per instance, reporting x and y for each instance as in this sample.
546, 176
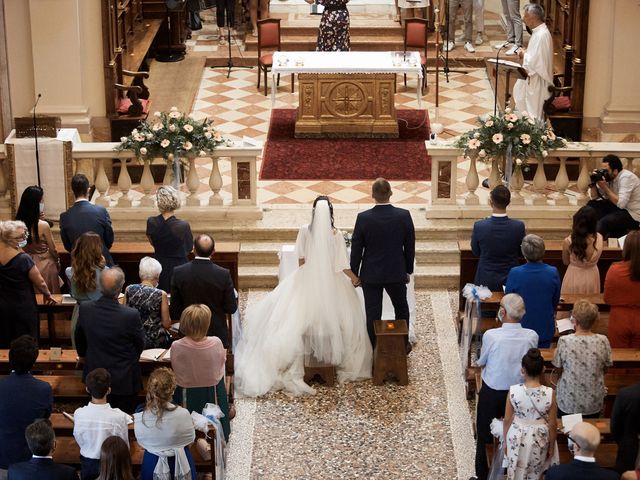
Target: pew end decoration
175, 137
509, 140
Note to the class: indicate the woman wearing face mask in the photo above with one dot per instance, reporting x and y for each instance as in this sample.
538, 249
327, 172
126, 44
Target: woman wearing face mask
40, 241
18, 278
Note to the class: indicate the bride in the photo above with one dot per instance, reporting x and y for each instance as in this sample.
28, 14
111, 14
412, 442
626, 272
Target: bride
314, 312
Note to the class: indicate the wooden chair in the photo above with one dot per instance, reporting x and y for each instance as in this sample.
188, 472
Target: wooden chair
558, 109
415, 37
269, 40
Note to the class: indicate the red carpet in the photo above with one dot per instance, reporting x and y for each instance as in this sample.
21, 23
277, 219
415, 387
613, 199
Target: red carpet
289, 158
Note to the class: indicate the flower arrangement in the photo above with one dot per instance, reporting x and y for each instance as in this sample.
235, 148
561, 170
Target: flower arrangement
172, 134
526, 136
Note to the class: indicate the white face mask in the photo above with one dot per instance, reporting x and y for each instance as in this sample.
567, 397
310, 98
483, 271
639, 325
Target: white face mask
41, 207
501, 314
22, 243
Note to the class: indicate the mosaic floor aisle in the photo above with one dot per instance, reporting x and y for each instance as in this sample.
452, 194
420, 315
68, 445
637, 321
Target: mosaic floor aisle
357, 430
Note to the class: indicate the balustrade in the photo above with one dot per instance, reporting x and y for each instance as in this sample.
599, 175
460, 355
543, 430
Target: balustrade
560, 191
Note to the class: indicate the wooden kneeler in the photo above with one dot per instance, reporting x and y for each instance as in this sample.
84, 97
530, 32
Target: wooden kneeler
314, 368
389, 355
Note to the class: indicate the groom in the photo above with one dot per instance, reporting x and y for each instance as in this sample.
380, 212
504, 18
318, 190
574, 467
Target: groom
382, 254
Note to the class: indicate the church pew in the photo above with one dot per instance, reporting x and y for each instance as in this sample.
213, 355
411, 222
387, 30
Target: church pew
127, 255
622, 357
552, 256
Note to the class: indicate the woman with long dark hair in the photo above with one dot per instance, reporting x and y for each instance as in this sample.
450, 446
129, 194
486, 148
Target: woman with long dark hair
87, 262
40, 243
115, 460
581, 251
313, 314
622, 293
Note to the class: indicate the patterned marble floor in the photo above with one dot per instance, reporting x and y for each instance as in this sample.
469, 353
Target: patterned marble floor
420, 431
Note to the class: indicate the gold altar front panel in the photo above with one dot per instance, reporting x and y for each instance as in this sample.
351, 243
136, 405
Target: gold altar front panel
346, 105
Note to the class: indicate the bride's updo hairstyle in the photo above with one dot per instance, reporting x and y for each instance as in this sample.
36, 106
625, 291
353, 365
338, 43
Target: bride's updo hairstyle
533, 363
319, 198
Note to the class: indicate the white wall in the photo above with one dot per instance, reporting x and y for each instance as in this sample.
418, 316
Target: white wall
20, 59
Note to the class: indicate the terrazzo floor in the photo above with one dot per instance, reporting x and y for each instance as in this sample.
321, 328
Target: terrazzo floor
358, 430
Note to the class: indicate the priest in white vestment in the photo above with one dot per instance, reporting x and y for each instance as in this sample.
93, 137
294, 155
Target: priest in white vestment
530, 94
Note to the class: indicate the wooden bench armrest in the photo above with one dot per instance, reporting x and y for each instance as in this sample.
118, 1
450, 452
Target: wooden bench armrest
129, 73
124, 88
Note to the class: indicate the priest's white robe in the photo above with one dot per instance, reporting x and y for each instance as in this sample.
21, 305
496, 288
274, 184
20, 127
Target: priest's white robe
531, 93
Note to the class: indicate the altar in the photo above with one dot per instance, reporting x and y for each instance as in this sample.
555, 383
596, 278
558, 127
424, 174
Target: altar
346, 93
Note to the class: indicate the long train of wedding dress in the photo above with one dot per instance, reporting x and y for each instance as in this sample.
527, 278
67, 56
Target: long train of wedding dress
315, 312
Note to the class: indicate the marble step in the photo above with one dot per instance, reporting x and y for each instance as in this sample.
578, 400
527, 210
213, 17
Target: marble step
440, 276
427, 253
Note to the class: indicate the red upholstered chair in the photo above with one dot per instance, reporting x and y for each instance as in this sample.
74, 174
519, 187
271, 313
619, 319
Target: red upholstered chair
415, 37
269, 40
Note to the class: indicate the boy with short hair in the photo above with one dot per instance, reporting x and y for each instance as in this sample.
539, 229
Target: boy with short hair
97, 421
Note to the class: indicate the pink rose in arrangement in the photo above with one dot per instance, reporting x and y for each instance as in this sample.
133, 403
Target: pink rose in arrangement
497, 138
526, 138
474, 143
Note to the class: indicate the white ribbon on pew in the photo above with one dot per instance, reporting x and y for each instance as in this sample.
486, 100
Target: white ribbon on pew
473, 294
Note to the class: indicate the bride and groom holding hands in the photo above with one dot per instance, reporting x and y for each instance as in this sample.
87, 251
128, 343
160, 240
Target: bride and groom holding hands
316, 312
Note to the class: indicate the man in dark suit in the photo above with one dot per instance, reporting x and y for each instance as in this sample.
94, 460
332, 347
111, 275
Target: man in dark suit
585, 439
110, 336
625, 426
83, 217
22, 400
41, 440
382, 255
496, 240
202, 281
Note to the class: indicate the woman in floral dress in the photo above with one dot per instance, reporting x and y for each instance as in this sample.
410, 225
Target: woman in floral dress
333, 35
530, 423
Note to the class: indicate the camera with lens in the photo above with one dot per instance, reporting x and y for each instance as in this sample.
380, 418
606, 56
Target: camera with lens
600, 174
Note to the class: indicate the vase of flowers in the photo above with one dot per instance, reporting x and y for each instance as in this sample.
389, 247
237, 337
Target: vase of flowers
514, 137
175, 137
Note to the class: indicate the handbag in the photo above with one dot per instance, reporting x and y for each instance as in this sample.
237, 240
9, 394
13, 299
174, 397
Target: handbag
195, 22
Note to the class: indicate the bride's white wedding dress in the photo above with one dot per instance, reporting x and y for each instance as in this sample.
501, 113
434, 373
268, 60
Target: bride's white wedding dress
314, 312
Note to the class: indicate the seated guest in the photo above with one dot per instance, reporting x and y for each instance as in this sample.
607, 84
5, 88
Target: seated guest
40, 243
19, 276
165, 431
625, 426
539, 286
96, 422
500, 356
583, 357
585, 439
42, 442
115, 460
84, 216
191, 352
171, 238
496, 240
22, 400
87, 263
110, 336
152, 304
622, 293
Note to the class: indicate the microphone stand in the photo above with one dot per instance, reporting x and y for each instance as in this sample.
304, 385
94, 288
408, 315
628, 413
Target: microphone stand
495, 93
230, 64
170, 55
35, 135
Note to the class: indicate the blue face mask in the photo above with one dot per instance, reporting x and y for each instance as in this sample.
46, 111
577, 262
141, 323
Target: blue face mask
22, 243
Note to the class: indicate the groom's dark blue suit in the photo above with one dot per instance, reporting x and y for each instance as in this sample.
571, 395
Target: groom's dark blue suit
382, 255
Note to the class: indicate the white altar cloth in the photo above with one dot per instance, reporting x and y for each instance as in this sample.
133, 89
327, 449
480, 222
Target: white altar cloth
289, 263
346, 62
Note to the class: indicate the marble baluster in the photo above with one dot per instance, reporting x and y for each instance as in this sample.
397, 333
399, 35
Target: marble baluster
215, 183
472, 181
102, 184
193, 182
540, 185
562, 182
583, 182
124, 184
147, 184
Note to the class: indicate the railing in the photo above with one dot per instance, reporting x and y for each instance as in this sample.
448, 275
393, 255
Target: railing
444, 165
90, 159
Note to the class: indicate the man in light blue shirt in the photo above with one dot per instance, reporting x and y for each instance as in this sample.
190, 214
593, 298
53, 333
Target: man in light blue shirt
500, 357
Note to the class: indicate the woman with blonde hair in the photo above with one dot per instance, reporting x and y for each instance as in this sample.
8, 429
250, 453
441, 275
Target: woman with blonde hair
18, 278
170, 237
583, 357
198, 385
87, 263
165, 431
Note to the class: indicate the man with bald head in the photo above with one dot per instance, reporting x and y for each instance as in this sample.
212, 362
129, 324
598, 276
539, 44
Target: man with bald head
202, 281
584, 439
110, 336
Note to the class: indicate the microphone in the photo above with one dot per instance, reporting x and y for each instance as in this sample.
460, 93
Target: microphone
495, 93
35, 133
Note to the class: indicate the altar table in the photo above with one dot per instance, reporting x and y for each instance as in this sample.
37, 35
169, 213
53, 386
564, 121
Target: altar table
347, 93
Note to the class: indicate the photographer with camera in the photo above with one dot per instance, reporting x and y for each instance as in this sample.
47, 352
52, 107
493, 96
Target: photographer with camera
615, 194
